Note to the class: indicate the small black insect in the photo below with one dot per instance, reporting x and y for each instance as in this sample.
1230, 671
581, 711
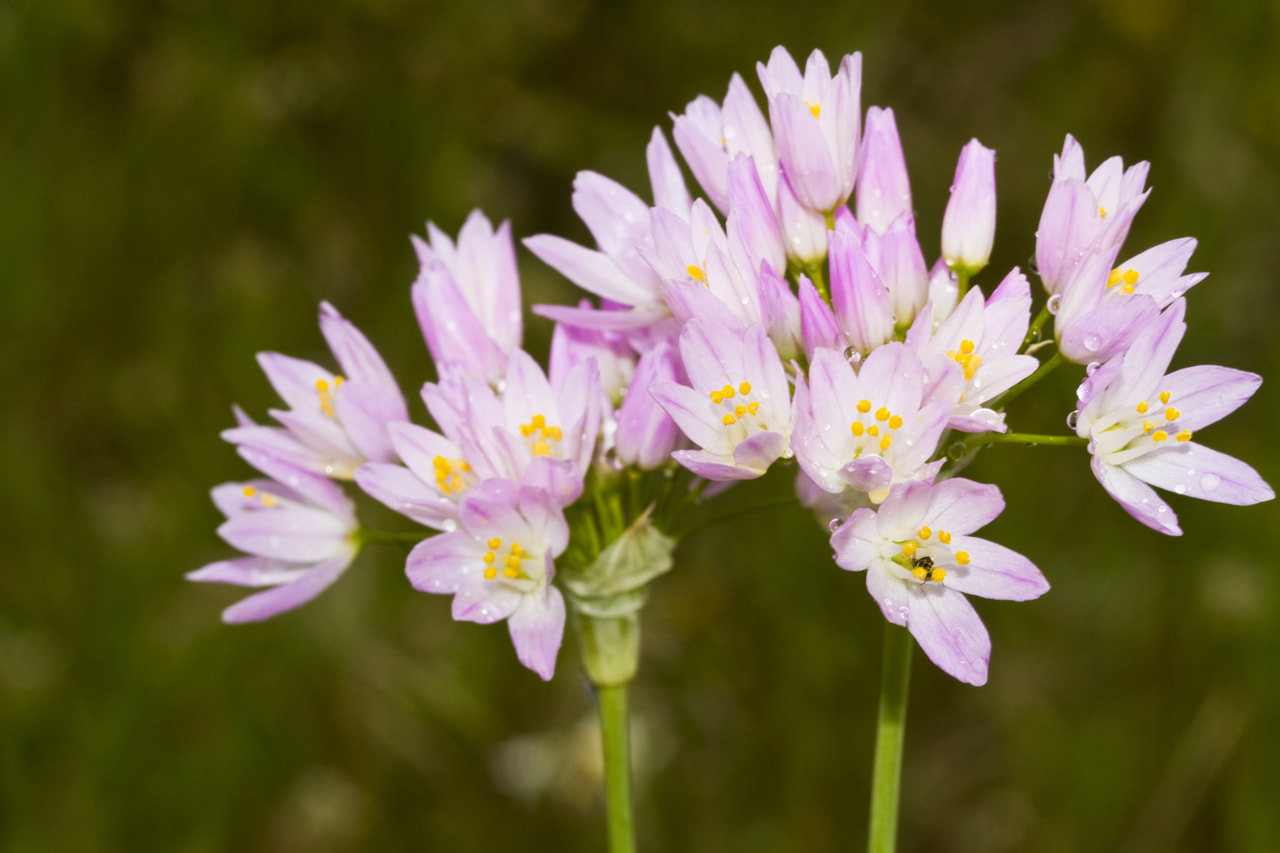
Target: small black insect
922, 563
922, 568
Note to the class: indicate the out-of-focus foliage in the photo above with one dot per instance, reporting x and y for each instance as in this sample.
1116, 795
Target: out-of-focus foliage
181, 181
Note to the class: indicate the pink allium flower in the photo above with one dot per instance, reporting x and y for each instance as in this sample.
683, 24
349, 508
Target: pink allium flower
298, 530
710, 137
499, 564
333, 423
884, 191
646, 435
815, 119
1085, 214
865, 431
1140, 422
969, 224
467, 296
738, 411
973, 357
921, 562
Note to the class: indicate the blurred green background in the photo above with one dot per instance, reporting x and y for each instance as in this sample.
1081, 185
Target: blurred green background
181, 181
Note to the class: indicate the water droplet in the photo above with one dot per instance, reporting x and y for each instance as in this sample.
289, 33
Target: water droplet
1072, 420
1093, 446
904, 614
834, 524
1091, 367
1209, 482
1162, 508
953, 275
1177, 292
850, 353
1092, 342
449, 525
1054, 301
1032, 267
1086, 388
1180, 489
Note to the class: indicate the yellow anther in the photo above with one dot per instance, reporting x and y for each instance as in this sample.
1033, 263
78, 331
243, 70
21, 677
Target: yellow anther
1183, 435
920, 573
729, 420
338, 380
940, 574
744, 388
971, 365
512, 561
527, 430
541, 448
490, 573
696, 272
717, 397
495, 543
944, 537
268, 500
882, 414
962, 558
322, 385
753, 407
1159, 435
440, 463
511, 573
1116, 276
1171, 414
925, 532
864, 406
1147, 427
538, 422
895, 422
1142, 408
1102, 211
739, 410
885, 442
1164, 396
455, 483
489, 556
966, 347
727, 392
816, 109
1131, 277
464, 466
857, 428
909, 549
873, 430
516, 549
249, 491
554, 433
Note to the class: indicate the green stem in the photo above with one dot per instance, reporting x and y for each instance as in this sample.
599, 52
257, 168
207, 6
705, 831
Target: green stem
886, 776
371, 537
1042, 371
1033, 439
962, 283
1033, 333
814, 271
617, 767
698, 527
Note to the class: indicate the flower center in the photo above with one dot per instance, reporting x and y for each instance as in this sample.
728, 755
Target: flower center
1132, 435
922, 554
540, 436
507, 561
449, 475
1122, 279
327, 392
966, 358
738, 406
868, 430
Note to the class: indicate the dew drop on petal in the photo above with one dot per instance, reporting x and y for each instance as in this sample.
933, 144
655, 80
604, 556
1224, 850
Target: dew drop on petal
1092, 342
1091, 368
449, 525
953, 276
1093, 446
1209, 482
1072, 419
904, 614
1054, 301
1180, 489
1032, 267
834, 524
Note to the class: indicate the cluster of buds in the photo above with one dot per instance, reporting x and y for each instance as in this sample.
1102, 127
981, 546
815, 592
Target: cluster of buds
788, 316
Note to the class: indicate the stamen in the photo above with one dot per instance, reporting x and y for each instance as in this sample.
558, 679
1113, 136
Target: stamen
696, 272
925, 532
909, 549
516, 550
962, 557
1142, 408
440, 463
1183, 435
920, 573
895, 422
740, 410
1147, 427
465, 466
729, 420
873, 430
885, 442
250, 491
882, 414
512, 573
322, 385
753, 407
857, 428
727, 392
268, 501
538, 422
716, 397
864, 406
1102, 211
490, 573
966, 347
939, 574
489, 556
1171, 414
495, 543
944, 537
814, 108
1159, 435
1164, 396
541, 448
744, 388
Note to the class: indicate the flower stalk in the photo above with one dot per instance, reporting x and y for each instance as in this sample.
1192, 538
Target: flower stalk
615, 731
886, 774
